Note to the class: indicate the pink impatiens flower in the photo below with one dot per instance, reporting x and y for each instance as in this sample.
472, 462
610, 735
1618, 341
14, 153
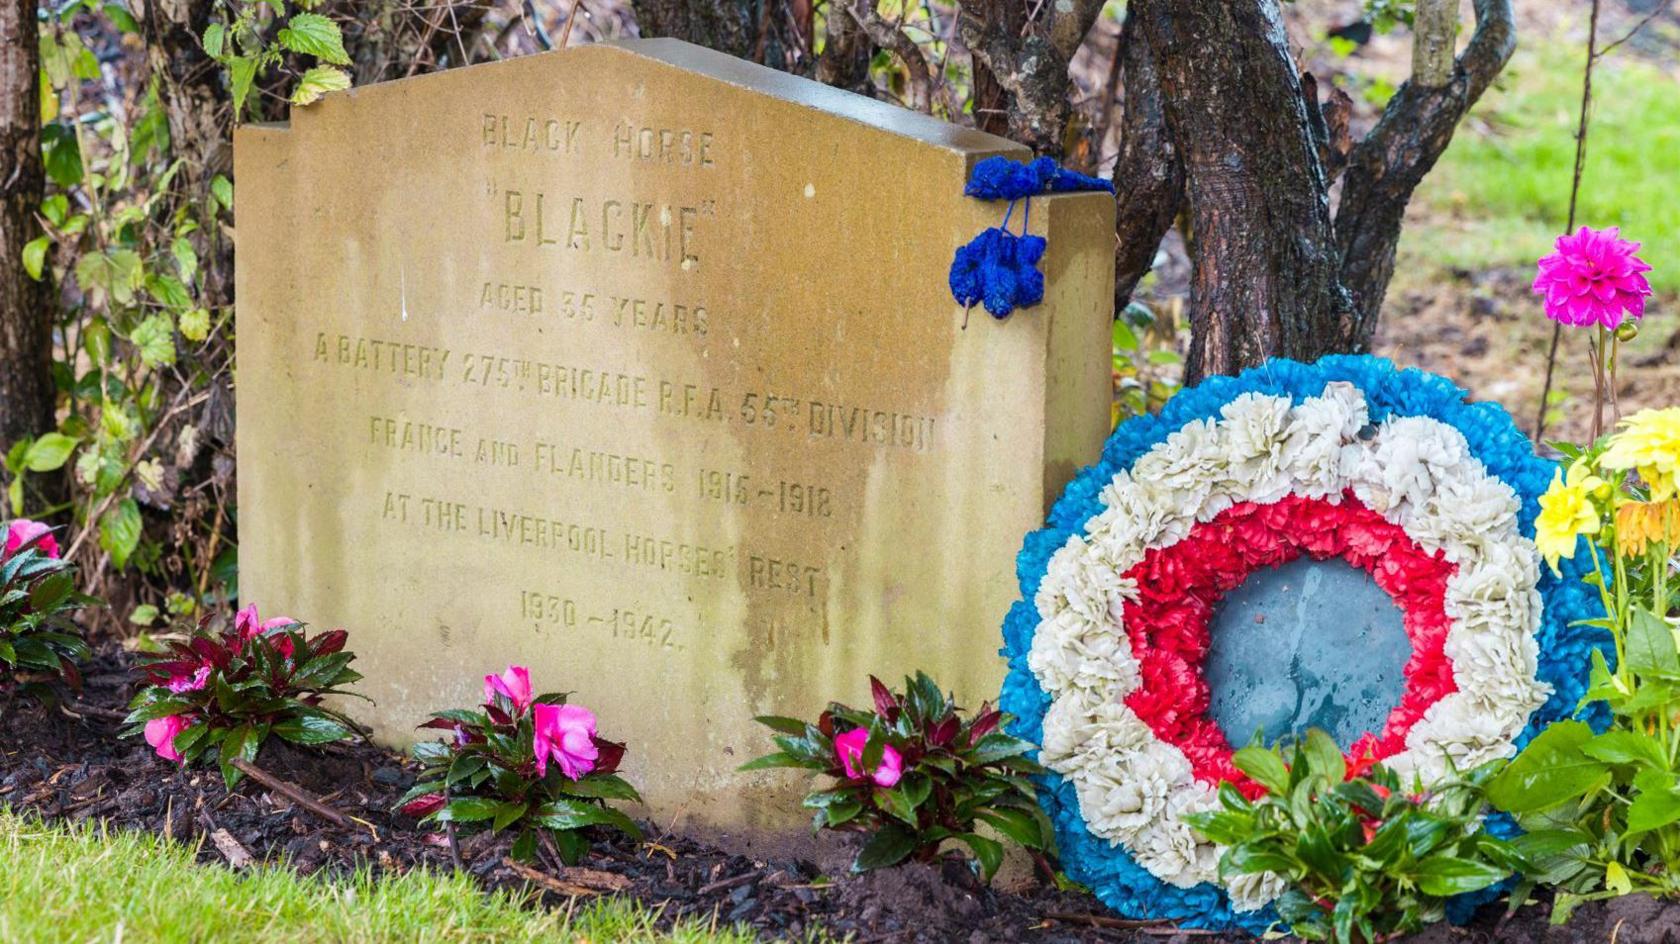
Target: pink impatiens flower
850, 747
567, 734
161, 732
514, 683
250, 626
21, 531
181, 682
1593, 278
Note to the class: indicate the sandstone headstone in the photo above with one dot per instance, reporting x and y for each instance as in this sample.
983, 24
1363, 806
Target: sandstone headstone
636, 364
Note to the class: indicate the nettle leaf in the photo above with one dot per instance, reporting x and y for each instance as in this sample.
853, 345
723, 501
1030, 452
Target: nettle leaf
317, 82
242, 70
214, 36
314, 35
117, 272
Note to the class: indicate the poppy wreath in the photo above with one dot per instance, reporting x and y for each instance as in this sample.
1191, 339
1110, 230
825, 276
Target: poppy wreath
1392, 471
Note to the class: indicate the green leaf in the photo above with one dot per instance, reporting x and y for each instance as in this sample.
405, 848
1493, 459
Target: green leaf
468, 810
317, 82
155, 337
1551, 770
1264, 767
168, 291
48, 452
838, 814
1325, 757
242, 70
214, 34
195, 324
35, 256
890, 844
1650, 645
604, 787
506, 815
222, 189
1626, 747
119, 531
314, 35
997, 746
117, 272
1653, 809
121, 17
1443, 876
312, 729
782, 725
1018, 825
988, 851
778, 759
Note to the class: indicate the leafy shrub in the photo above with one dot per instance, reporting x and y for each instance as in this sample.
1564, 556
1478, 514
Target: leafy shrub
37, 596
1602, 811
522, 761
1364, 860
229, 689
913, 774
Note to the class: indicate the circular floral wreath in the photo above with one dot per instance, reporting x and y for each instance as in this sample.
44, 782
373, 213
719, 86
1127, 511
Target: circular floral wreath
1391, 471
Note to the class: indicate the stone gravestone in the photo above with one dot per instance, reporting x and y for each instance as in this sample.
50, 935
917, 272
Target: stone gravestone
636, 364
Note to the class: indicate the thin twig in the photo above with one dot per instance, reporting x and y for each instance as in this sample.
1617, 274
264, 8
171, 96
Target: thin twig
1569, 227
293, 792
1659, 10
571, 17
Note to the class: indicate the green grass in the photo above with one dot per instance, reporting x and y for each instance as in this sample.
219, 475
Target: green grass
87, 884
1501, 192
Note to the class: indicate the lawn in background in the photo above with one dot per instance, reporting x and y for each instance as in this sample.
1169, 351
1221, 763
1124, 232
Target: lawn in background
84, 883
1501, 192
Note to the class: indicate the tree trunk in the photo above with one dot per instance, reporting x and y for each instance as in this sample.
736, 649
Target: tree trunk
27, 398
1021, 54
764, 31
1148, 176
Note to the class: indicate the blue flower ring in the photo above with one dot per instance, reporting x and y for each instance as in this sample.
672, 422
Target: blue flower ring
1458, 477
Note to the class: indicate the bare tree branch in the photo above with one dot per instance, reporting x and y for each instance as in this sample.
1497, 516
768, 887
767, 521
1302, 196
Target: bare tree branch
1029, 63
1386, 167
890, 37
1148, 177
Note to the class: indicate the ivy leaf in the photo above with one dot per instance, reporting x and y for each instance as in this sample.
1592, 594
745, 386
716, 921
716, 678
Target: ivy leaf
317, 82
314, 35
155, 337
35, 256
119, 531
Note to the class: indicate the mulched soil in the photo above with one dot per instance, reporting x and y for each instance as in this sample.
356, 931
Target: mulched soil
69, 764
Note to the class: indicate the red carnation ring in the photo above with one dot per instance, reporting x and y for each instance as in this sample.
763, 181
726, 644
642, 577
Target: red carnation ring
1180, 586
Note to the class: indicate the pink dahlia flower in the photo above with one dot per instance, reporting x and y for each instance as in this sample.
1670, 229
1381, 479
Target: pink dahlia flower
567, 734
1593, 278
850, 747
514, 683
21, 531
161, 732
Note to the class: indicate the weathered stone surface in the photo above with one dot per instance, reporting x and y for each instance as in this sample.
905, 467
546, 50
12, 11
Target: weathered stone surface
1311, 644
637, 365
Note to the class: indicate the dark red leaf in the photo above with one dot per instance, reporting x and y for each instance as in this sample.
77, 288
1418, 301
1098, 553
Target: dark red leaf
983, 725
825, 724
423, 806
328, 643
610, 755
944, 732
885, 703
441, 724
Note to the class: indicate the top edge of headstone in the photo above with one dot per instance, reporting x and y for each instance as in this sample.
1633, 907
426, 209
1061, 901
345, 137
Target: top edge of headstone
721, 67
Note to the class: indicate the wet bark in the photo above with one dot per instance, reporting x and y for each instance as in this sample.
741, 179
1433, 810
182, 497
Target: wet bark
773, 32
1148, 175
1021, 55
27, 398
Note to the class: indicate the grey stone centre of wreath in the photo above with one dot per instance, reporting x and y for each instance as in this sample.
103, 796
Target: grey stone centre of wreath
1310, 644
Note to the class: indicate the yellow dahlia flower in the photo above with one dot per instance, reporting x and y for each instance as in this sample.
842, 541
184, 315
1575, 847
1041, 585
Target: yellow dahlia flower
1649, 443
1566, 512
